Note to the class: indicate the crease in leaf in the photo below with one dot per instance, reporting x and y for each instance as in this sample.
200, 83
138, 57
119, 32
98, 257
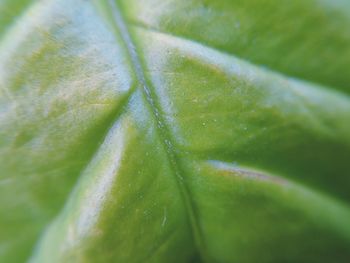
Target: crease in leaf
163, 130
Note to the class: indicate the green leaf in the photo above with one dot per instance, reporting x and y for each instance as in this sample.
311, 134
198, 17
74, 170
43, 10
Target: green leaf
174, 131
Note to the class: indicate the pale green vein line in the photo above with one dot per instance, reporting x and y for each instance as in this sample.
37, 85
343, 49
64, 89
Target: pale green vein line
254, 173
13, 17
275, 71
317, 200
112, 120
162, 129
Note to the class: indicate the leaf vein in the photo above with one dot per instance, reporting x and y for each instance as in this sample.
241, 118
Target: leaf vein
120, 24
319, 85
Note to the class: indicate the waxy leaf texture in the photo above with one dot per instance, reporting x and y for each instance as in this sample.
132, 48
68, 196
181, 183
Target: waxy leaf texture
165, 131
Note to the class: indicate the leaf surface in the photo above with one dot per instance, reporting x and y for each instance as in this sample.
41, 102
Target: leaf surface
174, 131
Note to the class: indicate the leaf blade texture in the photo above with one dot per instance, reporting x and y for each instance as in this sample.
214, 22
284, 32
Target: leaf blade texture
174, 131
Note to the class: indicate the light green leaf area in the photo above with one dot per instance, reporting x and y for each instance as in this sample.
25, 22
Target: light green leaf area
174, 131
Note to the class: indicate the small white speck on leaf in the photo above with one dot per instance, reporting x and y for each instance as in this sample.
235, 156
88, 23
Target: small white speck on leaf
164, 218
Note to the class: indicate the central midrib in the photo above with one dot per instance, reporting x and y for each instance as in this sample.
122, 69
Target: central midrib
163, 131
